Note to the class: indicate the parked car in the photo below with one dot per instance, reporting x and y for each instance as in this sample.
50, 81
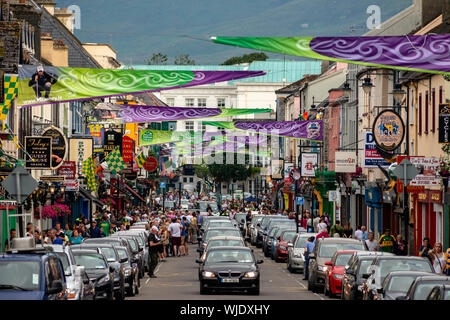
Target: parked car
296, 250
143, 242
353, 279
323, 251
230, 231
242, 270
34, 274
272, 223
397, 283
335, 272
99, 272
131, 271
269, 237
283, 235
220, 220
240, 218
77, 288
262, 229
112, 257
136, 249
267, 240
383, 265
441, 292
253, 227
422, 286
223, 241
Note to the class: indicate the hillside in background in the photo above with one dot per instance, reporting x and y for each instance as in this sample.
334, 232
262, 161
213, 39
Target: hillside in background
138, 28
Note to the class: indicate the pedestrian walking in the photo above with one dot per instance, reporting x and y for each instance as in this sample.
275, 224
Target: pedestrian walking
154, 243
309, 248
371, 243
438, 257
386, 241
359, 233
365, 233
337, 229
193, 229
348, 230
175, 232
321, 225
165, 241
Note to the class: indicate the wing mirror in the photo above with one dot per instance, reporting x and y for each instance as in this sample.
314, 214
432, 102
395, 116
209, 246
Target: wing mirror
328, 263
123, 260
290, 245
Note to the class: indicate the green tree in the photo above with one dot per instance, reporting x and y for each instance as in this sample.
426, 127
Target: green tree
246, 58
183, 60
157, 59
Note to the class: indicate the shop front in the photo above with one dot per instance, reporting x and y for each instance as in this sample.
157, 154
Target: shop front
374, 209
429, 218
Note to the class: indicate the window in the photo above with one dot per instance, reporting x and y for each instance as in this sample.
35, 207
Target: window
190, 126
201, 102
170, 102
184, 180
420, 114
221, 102
426, 112
433, 108
189, 102
191, 179
203, 128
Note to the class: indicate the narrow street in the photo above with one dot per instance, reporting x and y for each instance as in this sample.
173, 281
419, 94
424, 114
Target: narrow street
177, 279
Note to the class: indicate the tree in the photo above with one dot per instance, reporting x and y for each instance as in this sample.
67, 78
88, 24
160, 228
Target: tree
157, 59
246, 58
183, 60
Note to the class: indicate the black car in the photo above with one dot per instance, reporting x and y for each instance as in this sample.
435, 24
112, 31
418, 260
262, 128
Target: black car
261, 229
397, 283
112, 257
422, 286
229, 268
383, 265
353, 279
441, 292
210, 233
98, 271
136, 249
132, 282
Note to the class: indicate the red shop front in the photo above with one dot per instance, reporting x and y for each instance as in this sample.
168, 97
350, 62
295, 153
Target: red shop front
428, 217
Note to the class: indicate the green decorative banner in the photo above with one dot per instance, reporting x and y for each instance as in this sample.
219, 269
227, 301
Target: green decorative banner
423, 53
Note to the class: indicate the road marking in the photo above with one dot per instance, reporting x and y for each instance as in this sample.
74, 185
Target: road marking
147, 281
319, 296
157, 268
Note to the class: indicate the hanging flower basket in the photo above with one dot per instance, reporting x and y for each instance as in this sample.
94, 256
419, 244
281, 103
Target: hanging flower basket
444, 168
53, 211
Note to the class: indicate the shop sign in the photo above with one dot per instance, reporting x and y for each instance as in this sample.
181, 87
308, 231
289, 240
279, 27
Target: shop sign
277, 169
59, 145
388, 130
430, 196
80, 149
67, 169
371, 156
428, 171
127, 149
52, 178
72, 185
113, 139
345, 162
151, 164
40, 150
444, 123
288, 166
97, 132
309, 162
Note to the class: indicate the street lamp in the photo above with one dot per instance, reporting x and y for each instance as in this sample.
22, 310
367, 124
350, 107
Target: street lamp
346, 90
367, 85
398, 93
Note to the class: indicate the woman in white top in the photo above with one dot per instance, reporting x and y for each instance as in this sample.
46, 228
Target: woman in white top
321, 225
438, 258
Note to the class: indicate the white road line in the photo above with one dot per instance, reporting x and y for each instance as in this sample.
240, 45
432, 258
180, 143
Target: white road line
146, 282
157, 268
319, 296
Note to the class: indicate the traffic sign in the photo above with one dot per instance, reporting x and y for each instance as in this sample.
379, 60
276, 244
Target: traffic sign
300, 200
406, 171
162, 185
20, 184
295, 174
151, 164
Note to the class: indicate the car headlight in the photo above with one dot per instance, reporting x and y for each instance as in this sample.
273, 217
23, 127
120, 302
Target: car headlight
208, 274
283, 248
338, 276
104, 279
127, 272
323, 268
72, 294
251, 274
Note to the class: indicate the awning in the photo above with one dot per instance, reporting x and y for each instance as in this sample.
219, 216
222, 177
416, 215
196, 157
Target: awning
134, 193
89, 196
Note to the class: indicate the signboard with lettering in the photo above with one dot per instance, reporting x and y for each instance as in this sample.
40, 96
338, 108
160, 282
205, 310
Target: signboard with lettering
371, 155
72, 185
309, 161
40, 150
67, 170
428, 173
127, 149
388, 130
277, 169
288, 166
151, 164
113, 139
59, 145
444, 123
345, 161
79, 150
97, 132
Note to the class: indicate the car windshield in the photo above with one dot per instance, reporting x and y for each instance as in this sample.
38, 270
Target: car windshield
139, 240
65, 262
90, 260
280, 230
301, 242
389, 265
400, 283
327, 250
217, 224
109, 253
231, 256
123, 254
272, 231
423, 289
132, 244
217, 232
288, 236
225, 243
19, 275
342, 259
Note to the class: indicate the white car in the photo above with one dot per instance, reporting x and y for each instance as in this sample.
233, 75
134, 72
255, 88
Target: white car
296, 251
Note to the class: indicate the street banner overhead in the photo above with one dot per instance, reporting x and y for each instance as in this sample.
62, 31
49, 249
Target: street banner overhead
44, 85
118, 113
422, 53
304, 130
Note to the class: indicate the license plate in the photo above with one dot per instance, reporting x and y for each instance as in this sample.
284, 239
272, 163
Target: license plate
230, 280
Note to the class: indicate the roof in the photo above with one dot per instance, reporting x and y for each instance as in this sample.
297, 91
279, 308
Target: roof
230, 248
277, 70
406, 273
340, 240
225, 238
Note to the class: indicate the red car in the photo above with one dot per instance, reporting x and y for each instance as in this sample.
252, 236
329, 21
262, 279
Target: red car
335, 272
281, 252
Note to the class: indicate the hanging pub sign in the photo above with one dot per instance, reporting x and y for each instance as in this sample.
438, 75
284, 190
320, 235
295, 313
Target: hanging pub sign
112, 140
388, 130
40, 150
97, 132
127, 149
151, 164
308, 164
59, 145
68, 170
79, 150
444, 123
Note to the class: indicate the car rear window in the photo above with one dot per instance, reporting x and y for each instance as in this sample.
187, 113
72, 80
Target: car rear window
390, 265
401, 283
225, 243
423, 289
327, 250
301, 242
288, 236
342, 259
23, 274
90, 261
65, 262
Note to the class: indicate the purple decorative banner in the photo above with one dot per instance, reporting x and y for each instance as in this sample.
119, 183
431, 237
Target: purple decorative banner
306, 130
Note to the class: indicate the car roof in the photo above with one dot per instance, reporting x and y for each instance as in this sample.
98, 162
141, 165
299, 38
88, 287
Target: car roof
432, 277
339, 240
372, 253
344, 251
223, 228
394, 257
408, 273
230, 248
225, 238
18, 256
94, 245
81, 251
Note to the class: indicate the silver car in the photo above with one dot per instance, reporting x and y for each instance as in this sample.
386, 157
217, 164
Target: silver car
296, 251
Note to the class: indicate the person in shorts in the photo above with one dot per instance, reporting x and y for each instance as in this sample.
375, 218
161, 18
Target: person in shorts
175, 232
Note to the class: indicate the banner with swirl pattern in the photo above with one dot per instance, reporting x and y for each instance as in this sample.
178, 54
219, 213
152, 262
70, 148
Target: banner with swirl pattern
305, 130
119, 113
63, 84
423, 53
